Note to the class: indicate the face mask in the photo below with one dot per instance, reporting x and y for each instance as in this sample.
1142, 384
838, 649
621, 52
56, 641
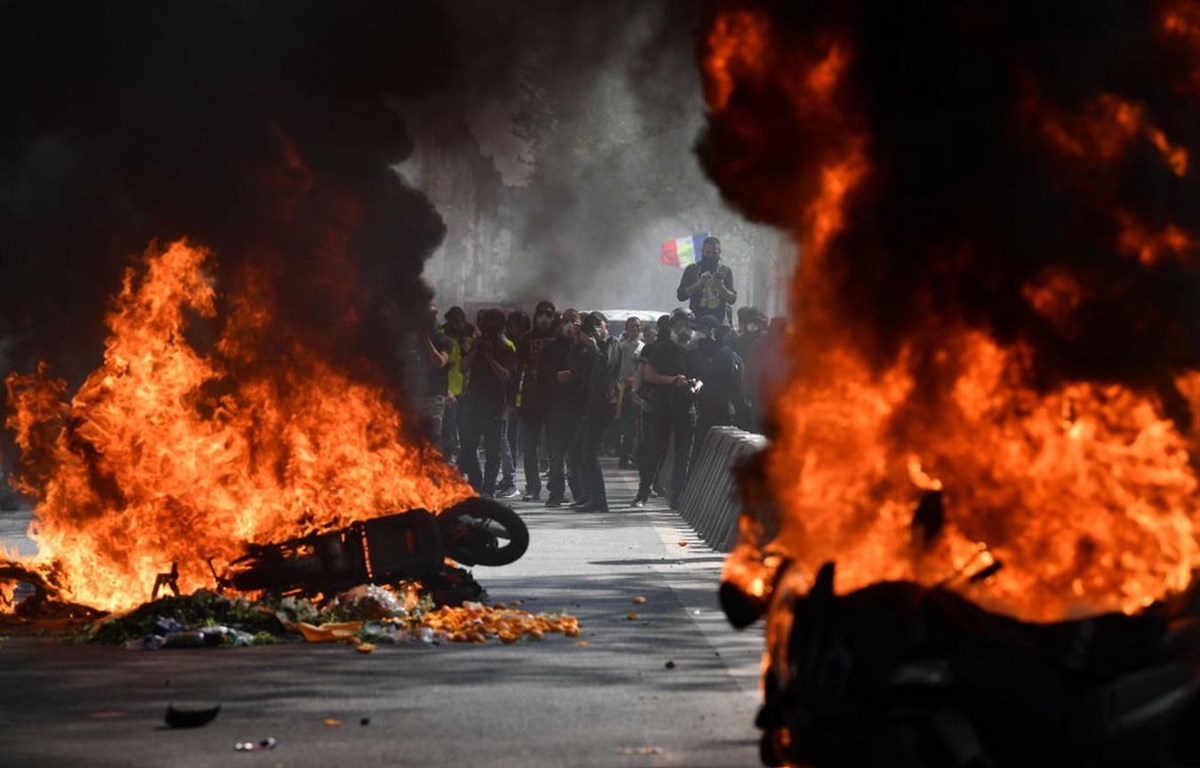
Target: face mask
751, 327
602, 334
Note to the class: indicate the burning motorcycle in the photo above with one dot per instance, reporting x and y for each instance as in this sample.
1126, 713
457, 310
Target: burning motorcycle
899, 674
409, 545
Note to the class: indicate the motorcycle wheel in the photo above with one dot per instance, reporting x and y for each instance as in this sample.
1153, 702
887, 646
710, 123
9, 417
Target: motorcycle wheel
483, 532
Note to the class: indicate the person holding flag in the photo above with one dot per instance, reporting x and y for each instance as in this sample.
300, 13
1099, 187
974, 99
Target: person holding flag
707, 285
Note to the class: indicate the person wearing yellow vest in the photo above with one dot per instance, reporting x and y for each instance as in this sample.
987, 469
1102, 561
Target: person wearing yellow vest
460, 333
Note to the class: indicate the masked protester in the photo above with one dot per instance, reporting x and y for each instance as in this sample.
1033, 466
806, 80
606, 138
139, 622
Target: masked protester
536, 390
515, 326
631, 349
719, 370
707, 285
600, 367
752, 327
459, 331
672, 413
427, 361
558, 367
491, 367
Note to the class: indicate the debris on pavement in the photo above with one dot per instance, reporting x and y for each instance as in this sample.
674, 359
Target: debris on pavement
331, 722
250, 746
190, 718
330, 632
639, 600
670, 664
365, 616
632, 615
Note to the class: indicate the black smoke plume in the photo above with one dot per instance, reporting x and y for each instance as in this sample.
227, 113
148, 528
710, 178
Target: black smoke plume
261, 130
971, 200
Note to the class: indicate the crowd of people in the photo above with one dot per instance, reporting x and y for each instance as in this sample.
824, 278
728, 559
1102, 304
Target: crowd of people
550, 395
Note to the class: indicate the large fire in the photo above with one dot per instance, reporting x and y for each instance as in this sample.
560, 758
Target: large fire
170, 453
942, 442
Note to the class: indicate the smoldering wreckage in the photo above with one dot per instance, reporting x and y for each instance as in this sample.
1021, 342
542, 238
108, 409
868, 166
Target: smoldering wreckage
973, 538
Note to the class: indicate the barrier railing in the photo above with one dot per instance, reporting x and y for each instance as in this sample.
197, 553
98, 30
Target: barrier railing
710, 501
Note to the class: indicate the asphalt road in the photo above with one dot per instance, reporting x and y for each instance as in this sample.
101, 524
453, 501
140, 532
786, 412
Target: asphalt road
609, 700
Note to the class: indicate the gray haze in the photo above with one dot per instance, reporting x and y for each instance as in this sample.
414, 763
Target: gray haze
581, 164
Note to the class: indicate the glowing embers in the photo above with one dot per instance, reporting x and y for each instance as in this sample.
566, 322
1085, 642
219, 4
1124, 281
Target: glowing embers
169, 454
1084, 493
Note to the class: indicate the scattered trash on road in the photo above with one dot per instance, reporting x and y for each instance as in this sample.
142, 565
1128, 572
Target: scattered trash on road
632, 615
190, 718
639, 600
331, 722
670, 664
250, 746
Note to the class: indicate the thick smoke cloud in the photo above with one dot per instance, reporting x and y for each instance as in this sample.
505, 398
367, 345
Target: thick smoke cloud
261, 130
991, 173
607, 104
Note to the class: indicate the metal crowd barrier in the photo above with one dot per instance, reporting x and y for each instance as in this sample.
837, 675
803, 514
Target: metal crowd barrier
710, 502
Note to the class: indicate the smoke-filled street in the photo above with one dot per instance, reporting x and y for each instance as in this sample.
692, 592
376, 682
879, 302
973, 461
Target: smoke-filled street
606, 383
605, 698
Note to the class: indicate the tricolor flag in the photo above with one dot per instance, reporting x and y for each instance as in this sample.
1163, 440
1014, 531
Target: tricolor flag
684, 251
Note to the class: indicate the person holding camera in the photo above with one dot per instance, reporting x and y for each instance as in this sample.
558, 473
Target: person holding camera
491, 368
707, 285
674, 408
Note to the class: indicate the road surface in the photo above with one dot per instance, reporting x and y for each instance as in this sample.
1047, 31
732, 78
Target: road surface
609, 700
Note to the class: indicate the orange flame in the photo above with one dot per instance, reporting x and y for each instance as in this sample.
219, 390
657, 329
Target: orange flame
1082, 492
1106, 130
164, 456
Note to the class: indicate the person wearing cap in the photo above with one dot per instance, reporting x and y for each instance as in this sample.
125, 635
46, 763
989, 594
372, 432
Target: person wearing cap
536, 388
673, 413
752, 327
707, 285
720, 370
491, 369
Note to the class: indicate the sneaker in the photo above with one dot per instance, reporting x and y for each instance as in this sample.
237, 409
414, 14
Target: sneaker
624, 464
638, 502
508, 493
531, 495
554, 501
581, 503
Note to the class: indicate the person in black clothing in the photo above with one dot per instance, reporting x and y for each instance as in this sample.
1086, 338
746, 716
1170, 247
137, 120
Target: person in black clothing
707, 285
752, 326
672, 412
719, 370
558, 365
491, 371
601, 366
427, 360
536, 388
